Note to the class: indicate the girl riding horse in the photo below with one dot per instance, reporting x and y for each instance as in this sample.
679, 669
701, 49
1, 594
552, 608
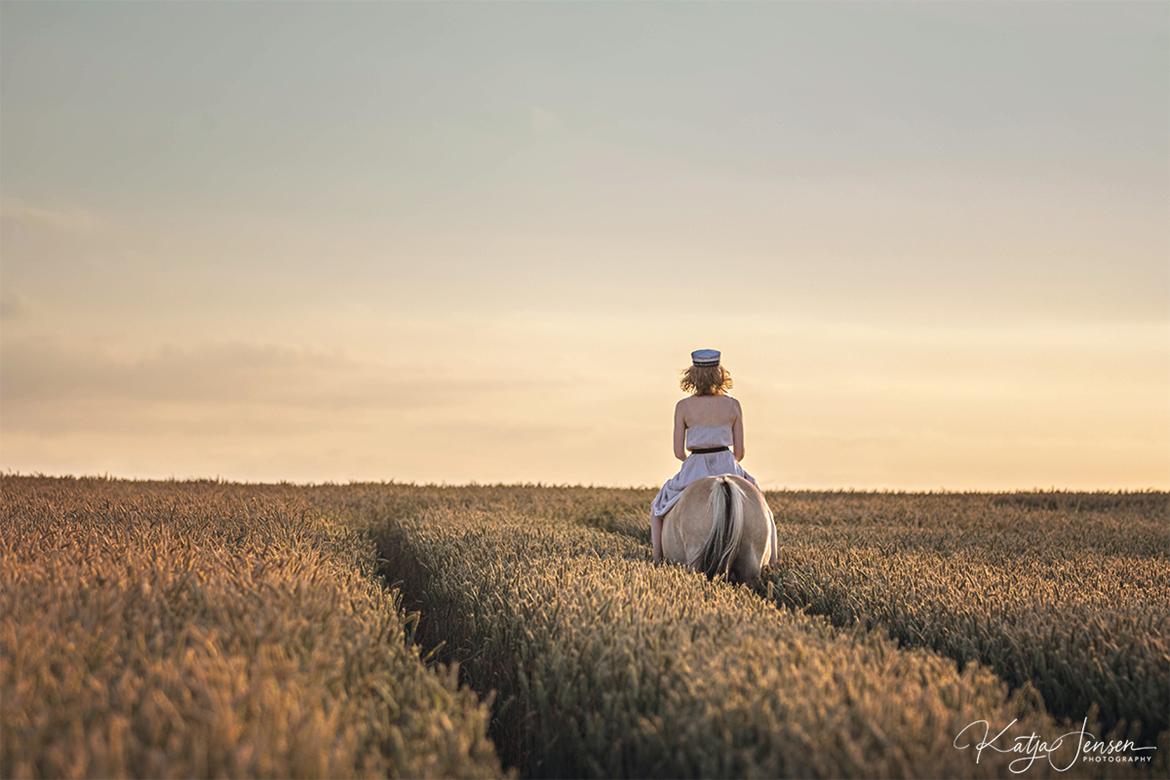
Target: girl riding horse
708, 424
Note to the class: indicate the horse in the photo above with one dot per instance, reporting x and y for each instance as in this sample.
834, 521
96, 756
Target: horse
723, 527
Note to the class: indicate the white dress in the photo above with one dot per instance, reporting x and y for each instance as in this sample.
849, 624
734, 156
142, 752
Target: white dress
700, 464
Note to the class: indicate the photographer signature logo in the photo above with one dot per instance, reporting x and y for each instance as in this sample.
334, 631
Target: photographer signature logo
1032, 748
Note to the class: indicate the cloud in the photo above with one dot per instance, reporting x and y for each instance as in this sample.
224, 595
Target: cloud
48, 387
259, 410
59, 220
541, 120
12, 306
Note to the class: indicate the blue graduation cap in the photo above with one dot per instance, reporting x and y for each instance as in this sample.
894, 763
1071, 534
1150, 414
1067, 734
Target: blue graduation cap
705, 357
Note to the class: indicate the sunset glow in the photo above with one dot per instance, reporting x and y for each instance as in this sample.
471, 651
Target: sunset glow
477, 242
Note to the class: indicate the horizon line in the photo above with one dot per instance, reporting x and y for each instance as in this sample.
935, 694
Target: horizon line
217, 479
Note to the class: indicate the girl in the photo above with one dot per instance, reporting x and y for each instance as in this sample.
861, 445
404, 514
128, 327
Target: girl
709, 423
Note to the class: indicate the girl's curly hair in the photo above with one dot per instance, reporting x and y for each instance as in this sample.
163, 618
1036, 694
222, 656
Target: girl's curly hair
705, 380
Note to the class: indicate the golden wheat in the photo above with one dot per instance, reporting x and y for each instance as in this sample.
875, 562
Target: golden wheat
1069, 592
208, 630
608, 666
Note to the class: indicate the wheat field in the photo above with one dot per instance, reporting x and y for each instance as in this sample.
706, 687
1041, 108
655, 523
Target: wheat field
211, 629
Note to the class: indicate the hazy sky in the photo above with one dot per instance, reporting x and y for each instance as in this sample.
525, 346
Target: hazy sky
454, 242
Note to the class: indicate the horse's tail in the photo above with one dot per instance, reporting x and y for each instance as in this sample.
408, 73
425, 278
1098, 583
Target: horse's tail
722, 545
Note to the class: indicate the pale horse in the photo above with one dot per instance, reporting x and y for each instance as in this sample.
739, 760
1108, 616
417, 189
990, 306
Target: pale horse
721, 526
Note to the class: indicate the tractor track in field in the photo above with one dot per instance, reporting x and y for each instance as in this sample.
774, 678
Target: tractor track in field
821, 589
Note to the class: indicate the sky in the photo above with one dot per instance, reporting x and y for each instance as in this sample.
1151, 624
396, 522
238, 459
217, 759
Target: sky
476, 242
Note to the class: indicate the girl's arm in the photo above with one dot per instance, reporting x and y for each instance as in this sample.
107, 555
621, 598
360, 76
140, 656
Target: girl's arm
737, 433
680, 433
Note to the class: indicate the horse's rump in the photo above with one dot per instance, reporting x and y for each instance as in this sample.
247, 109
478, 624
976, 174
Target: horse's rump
726, 510
721, 526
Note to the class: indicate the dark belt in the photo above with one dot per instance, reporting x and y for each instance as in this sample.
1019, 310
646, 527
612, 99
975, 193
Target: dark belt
699, 450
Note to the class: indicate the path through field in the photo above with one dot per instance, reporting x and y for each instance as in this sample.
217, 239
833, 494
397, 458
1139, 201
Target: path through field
739, 687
